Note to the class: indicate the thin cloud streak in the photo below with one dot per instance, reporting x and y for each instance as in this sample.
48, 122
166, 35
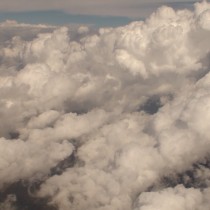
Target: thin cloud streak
62, 18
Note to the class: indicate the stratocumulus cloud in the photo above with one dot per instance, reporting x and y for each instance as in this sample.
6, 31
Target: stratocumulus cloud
113, 119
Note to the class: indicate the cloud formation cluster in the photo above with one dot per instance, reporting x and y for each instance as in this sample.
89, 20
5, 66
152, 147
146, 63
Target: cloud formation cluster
129, 105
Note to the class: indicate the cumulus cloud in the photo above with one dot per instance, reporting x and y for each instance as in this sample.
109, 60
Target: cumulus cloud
113, 119
174, 198
25, 159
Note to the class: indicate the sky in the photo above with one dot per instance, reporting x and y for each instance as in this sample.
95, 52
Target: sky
95, 12
105, 118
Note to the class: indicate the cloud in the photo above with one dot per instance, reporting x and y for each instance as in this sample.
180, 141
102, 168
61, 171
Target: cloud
102, 118
176, 198
25, 159
133, 8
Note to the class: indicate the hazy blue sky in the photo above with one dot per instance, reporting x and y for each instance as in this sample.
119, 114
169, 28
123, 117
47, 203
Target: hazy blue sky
97, 12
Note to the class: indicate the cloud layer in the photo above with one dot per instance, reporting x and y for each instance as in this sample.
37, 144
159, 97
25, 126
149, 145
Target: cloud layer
132, 8
129, 106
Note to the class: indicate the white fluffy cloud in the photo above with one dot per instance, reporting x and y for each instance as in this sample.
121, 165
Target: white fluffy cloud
176, 198
25, 159
129, 104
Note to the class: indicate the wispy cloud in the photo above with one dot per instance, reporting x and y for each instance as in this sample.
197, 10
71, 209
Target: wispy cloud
56, 17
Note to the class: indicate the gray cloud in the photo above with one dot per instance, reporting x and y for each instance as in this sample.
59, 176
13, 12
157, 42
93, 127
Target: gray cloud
127, 8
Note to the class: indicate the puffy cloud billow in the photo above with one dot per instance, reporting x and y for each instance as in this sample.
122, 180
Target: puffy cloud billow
111, 119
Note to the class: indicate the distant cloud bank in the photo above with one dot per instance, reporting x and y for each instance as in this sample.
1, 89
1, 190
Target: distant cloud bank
131, 8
